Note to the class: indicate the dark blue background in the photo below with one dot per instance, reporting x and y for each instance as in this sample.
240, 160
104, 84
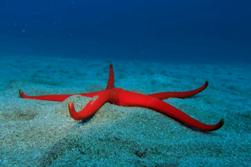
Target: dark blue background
172, 30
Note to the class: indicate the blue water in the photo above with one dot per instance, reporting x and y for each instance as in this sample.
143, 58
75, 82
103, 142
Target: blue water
174, 31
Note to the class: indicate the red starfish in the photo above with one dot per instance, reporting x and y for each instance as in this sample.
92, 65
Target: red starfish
123, 97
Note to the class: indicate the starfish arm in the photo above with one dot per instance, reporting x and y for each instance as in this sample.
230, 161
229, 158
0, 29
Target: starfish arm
182, 117
58, 98
186, 94
90, 109
135, 99
110, 82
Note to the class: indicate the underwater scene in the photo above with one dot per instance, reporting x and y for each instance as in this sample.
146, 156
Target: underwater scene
141, 83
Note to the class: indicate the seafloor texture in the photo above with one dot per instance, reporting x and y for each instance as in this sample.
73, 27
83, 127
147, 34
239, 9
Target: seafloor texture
41, 133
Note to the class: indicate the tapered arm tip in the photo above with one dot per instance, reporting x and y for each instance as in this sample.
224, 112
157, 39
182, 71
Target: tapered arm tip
214, 127
71, 107
110, 82
21, 93
220, 124
206, 84
72, 111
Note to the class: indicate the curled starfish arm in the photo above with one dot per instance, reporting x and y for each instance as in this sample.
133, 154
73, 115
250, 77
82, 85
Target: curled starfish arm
58, 98
185, 94
182, 117
90, 109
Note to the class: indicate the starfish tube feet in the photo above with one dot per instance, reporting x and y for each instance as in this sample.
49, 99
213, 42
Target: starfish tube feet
185, 94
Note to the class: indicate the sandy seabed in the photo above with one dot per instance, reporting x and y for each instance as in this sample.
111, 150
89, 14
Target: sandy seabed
41, 133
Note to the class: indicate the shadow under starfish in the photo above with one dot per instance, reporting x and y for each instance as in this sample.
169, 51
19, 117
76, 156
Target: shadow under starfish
121, 97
